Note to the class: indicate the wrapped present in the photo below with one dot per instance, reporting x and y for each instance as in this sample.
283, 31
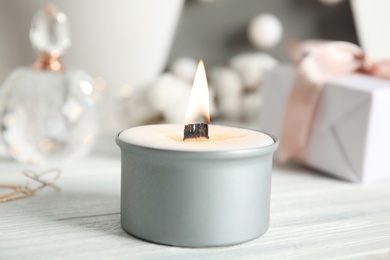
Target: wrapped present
350, 132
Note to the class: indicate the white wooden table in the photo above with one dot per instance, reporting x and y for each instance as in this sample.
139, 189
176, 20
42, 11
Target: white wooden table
312, 217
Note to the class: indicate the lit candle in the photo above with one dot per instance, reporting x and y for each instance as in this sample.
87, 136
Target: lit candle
211, 189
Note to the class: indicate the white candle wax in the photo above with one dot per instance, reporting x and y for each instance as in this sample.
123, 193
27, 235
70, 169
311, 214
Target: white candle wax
170, 137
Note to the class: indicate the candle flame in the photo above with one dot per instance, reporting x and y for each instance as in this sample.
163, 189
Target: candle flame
199, 107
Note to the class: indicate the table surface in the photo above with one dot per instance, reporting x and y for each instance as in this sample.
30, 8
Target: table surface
312, 217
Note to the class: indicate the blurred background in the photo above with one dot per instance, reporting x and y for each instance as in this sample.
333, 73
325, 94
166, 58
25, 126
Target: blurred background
142, 55
217, 30
118, 37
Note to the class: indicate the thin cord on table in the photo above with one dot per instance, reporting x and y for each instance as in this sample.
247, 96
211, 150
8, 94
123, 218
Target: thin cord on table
24, 191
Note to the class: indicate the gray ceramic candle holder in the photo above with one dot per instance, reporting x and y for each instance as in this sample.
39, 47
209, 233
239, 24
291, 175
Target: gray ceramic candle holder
195, 199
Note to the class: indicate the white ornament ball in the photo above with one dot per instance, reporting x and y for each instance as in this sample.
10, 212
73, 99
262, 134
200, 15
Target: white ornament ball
228, 90
226, 82
170, 96
184, 68
174, 116
251, 67
138, 108
230, 107
213, 107
330, 2
265, 31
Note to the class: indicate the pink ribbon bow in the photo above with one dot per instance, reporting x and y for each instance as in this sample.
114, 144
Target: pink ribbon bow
317, 62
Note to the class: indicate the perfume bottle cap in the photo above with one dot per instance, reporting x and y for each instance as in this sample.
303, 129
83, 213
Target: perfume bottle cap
50, 37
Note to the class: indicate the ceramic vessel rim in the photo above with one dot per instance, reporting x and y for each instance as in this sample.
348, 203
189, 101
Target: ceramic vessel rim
235, 153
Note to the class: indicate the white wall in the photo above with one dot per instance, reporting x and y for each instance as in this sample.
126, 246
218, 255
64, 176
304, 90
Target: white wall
123, 41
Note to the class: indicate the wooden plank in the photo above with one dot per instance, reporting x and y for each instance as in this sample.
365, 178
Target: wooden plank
312, 217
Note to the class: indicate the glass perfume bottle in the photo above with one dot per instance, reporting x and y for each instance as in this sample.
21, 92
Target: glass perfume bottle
47, 112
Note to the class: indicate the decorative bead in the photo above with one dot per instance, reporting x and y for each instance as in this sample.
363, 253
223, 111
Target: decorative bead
184, 68
170, 96
251, 66
265, 31
330, 2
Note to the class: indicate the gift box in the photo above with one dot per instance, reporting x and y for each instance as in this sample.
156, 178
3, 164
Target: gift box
350, 136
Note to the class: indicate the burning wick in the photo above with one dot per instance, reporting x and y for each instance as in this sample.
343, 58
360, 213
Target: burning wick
196, 131
198, 107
